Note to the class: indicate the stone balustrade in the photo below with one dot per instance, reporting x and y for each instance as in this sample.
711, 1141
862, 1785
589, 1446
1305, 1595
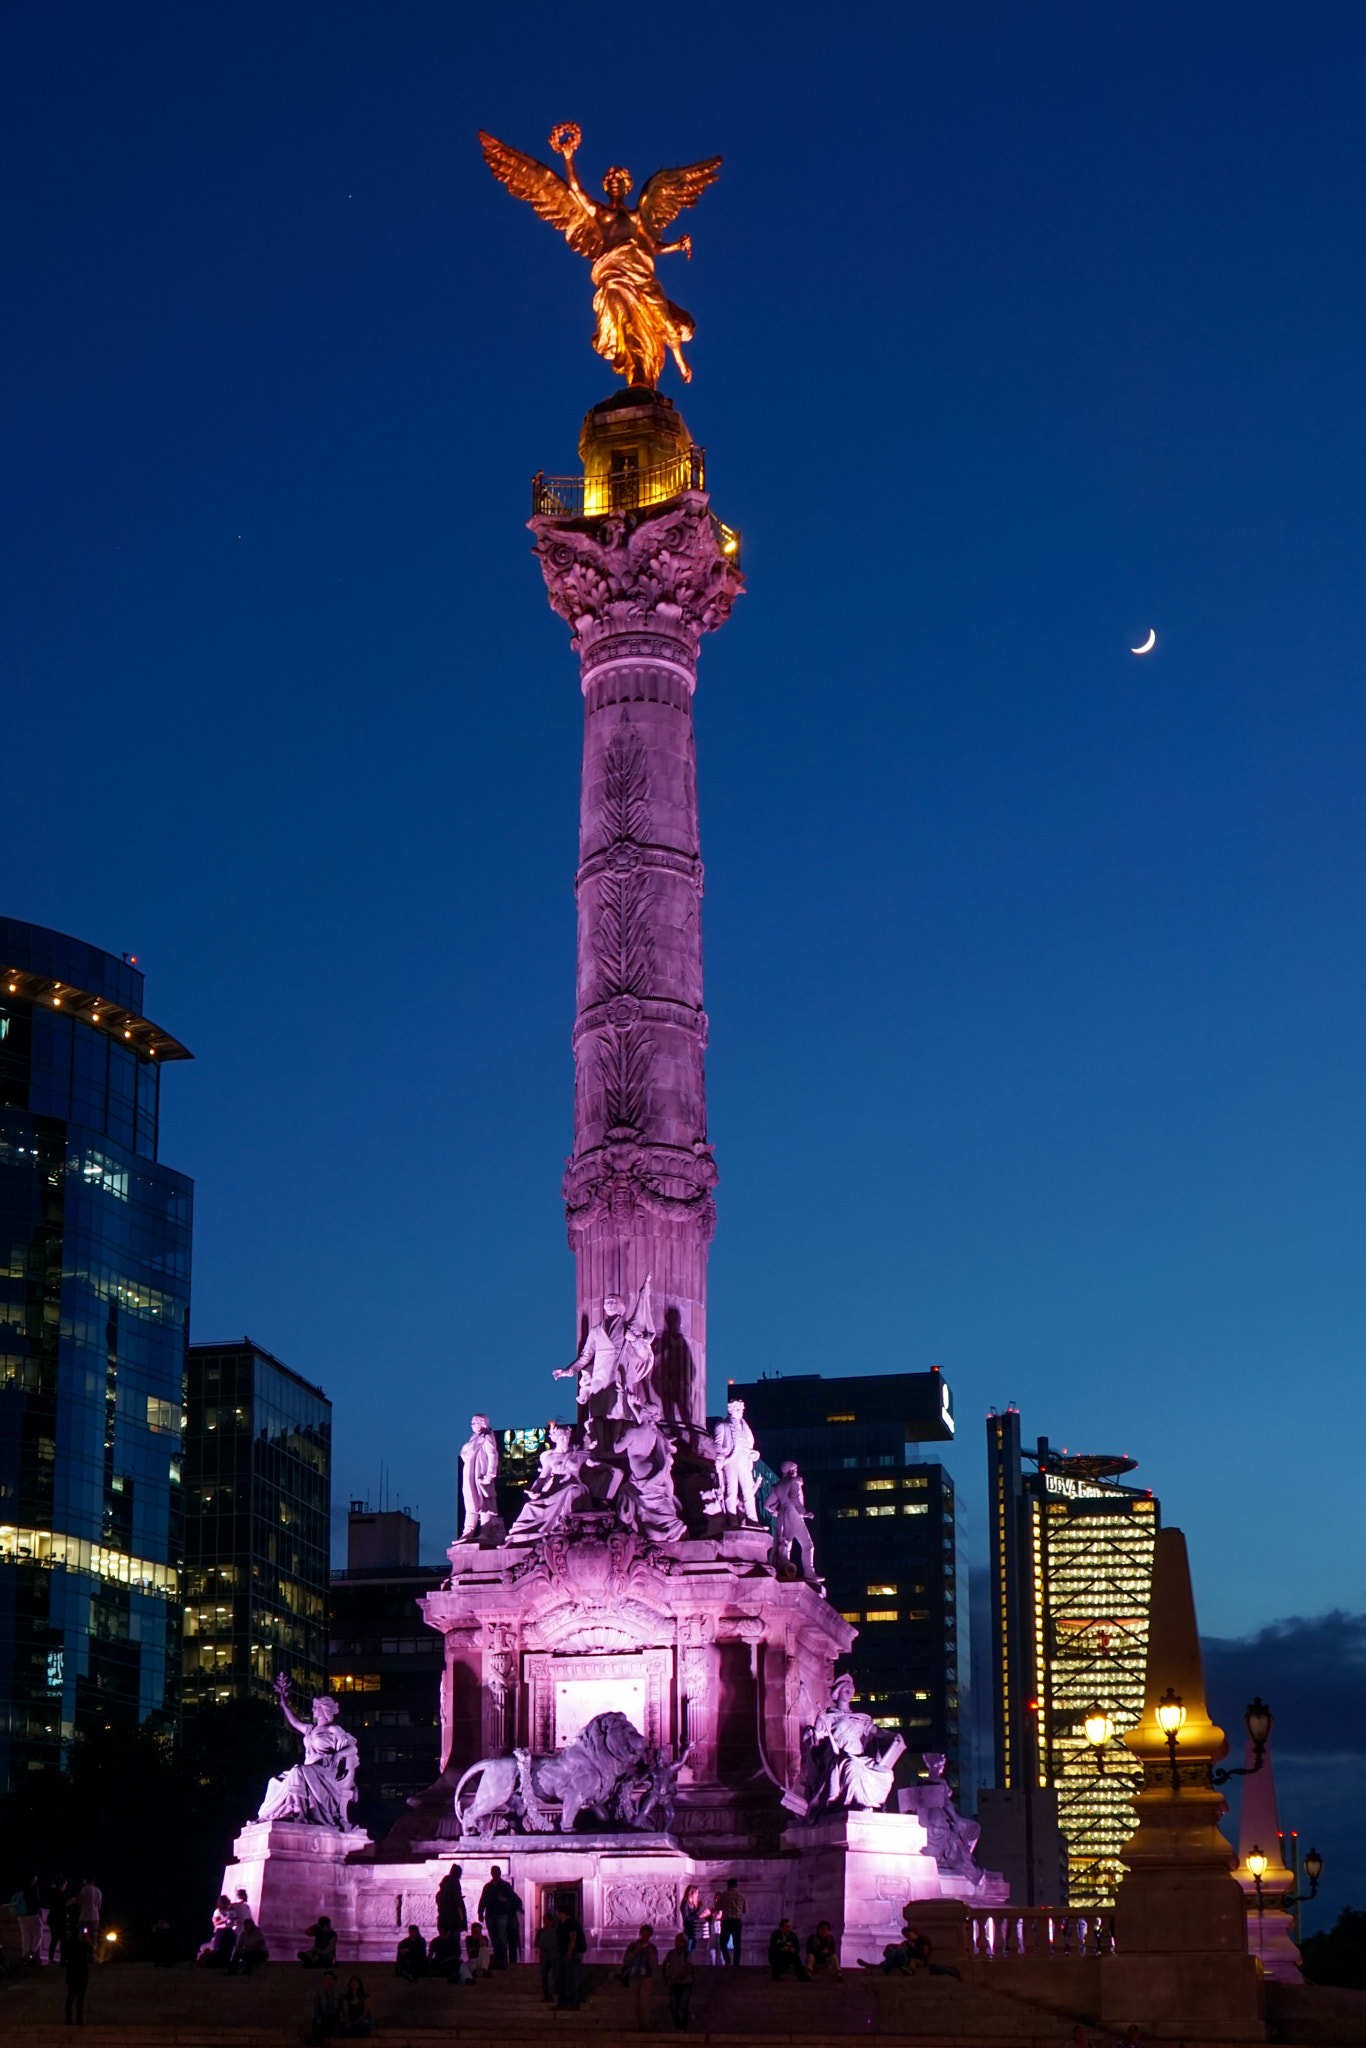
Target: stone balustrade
996, 1933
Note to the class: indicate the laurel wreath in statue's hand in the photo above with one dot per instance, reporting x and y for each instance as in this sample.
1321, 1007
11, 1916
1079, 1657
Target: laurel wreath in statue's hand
565, 137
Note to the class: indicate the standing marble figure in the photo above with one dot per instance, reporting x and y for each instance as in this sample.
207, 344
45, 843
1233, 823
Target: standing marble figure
479, 1478
616, 1359
785, 1502
736, 1455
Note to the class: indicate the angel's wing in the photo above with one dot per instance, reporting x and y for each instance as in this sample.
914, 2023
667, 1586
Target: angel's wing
668, 192
573, 214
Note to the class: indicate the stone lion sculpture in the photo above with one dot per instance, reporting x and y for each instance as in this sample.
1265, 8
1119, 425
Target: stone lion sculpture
519, 1790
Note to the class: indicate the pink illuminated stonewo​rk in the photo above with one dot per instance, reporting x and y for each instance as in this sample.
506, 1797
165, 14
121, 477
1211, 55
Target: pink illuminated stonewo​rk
639, 588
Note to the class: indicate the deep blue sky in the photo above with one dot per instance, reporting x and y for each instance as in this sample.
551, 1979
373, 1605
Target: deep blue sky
1034, 970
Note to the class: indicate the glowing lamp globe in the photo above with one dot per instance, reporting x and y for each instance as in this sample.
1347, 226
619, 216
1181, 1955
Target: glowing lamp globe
1257, 1860
1171, 1715
1257, 1721
1098, 1726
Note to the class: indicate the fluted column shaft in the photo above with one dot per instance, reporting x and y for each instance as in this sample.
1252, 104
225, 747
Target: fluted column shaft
639, 593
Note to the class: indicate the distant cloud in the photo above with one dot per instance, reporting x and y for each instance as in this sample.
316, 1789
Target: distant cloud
1312, 1673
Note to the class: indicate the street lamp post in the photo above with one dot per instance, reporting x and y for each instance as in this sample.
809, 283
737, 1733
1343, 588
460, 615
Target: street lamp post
1257, 1721
1171, 1719
1294, 1899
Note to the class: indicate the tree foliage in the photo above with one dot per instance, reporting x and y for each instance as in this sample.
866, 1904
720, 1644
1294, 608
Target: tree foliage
150, 1818
1338, 1956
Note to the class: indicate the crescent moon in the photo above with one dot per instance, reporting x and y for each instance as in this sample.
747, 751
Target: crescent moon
1148, 644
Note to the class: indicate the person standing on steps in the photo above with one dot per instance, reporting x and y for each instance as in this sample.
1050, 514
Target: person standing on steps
677, 1972
56, 1919
546, 1953
569, 1948
729, 1908
78, 1953
451, 1917
638, 1967
89, 1906
30, 1897
499, 1906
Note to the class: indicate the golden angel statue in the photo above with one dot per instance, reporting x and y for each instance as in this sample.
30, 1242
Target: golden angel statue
636, 322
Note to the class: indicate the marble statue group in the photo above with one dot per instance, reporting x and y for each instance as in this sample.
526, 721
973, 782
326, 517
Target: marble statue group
620, 1467
624, 1465
609, 1772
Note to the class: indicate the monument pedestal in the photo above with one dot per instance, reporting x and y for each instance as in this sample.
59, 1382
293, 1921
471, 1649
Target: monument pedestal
858, 1870
291, 1872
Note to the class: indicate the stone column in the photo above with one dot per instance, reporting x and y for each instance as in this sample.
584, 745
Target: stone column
500, 1687
697, 1690
639, 590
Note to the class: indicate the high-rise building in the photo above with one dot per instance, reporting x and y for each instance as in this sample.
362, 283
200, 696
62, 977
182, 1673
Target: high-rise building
95, 1285
258, 1461
1072, 1561
386, 1663
884, 1527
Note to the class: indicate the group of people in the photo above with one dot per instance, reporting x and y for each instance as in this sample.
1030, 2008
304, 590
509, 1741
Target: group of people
338, 2014
235, 1944
71, 1914
715, 1931
67, 1910
676, 1968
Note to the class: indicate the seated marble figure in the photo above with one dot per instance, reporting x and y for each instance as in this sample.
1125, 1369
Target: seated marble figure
558, 1490
321, 1789
846, 1758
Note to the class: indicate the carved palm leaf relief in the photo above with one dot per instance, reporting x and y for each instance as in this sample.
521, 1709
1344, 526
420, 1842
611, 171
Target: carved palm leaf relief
625, 787
623, 1069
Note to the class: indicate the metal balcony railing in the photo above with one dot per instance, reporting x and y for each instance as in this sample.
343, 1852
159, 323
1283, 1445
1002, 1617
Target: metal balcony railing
626, 490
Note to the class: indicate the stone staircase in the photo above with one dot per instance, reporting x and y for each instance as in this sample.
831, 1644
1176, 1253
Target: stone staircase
131, 2004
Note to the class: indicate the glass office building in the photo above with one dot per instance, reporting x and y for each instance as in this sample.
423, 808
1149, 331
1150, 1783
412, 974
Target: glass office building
258, 1465
885, 1532
1072, 1565
94, 1307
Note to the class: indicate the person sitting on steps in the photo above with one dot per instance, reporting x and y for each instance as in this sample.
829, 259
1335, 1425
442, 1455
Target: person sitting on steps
785, 1954
323, 1954
823, 1953
411, 1959
250, 1950
355, 2010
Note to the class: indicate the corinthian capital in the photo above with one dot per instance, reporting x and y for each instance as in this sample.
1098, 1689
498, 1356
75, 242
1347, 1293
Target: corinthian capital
654, 571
